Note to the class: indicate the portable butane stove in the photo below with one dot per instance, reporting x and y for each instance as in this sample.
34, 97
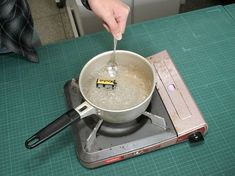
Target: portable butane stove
172, 117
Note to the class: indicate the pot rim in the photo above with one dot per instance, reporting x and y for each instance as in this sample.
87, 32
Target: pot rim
121, 110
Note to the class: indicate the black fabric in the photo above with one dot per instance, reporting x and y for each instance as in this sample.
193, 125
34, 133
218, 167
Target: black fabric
86, 4
16, 28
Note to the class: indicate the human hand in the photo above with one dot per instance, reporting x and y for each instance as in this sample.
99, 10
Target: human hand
114, 14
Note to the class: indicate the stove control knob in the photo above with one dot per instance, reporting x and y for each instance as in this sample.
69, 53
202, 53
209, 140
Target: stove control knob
196, 137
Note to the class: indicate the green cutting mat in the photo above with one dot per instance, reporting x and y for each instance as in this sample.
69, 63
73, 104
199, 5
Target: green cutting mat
231, 9
202, 44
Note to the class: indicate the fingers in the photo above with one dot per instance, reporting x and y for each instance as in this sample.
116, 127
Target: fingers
106, 26
122, 19
122, 23
114, 14
111, 25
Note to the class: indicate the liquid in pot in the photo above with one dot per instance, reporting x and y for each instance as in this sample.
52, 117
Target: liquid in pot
132, 88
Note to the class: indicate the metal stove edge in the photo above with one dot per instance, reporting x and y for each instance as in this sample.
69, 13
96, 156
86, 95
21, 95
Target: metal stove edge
185, 115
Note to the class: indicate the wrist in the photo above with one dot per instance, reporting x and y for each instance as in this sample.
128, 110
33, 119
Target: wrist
86, 4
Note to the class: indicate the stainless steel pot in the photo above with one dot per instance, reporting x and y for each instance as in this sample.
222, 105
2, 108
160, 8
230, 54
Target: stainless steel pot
88, 108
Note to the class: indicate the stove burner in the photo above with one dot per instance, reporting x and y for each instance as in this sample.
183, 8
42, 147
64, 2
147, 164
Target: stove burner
117, 130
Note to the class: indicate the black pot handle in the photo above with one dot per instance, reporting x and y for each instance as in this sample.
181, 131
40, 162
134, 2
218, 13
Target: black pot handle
53, 128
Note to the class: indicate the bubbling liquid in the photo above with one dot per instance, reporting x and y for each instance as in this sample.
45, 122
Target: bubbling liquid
133, 87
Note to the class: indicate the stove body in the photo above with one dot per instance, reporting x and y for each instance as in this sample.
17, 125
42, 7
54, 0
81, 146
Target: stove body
174, 117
